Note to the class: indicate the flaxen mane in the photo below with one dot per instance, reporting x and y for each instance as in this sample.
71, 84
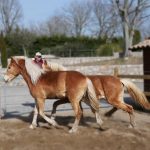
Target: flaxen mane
33, 70
56, 67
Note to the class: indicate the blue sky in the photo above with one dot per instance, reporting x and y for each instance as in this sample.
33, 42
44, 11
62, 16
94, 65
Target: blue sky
36, 11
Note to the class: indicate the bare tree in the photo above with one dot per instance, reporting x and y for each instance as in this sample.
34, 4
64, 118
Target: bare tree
78, 15
145, 30
10, 14
57, 25
104, 19
132, 14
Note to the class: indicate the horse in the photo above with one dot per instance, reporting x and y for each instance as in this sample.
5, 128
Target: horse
71, 85
51, 66
112, 89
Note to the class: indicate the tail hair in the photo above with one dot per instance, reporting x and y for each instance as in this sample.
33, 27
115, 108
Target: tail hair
94, 103
136, 93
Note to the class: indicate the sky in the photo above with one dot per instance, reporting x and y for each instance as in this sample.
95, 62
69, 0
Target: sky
36, 11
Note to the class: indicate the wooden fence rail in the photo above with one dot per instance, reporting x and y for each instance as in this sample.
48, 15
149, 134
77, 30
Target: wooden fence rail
116, 73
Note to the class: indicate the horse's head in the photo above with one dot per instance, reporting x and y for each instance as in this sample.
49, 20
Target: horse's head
13, 70
46, 67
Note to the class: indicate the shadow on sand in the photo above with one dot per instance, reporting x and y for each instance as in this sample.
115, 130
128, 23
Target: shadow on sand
65, 120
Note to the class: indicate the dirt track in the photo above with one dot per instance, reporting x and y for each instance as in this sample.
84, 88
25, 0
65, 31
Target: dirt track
15, 134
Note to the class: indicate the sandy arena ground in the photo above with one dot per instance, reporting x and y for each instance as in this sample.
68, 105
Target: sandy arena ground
16, 135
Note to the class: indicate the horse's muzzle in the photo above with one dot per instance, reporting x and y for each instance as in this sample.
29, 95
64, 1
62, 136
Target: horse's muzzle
6, 78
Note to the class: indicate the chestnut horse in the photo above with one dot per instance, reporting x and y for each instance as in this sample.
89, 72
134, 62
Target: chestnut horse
70, 85
51, 66
112, 89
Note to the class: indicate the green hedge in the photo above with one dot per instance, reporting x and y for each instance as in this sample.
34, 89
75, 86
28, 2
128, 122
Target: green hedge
107, 49
67, 46
61, 46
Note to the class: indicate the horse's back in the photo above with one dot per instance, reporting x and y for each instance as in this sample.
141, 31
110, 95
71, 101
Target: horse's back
107, 84
76, 79
106, 79
71, 84
111, 82
69, 78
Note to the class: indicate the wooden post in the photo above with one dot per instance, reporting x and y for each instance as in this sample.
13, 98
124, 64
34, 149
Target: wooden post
146, 69
116, 71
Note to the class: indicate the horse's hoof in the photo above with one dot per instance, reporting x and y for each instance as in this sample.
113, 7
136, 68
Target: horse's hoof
131, 126
32, 126
53, 117
103, 129
54, 123
107, 115
72, 130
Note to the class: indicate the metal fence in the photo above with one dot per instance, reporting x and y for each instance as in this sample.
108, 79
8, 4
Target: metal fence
16, 100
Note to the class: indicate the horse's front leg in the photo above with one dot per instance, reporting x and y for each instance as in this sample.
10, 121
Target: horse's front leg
34, 121
40, 103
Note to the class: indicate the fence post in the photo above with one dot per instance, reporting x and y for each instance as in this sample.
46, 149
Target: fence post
0, 104
116, 71
2, 101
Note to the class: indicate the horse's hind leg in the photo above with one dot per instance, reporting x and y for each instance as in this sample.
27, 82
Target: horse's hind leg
56, 104
82, 117
129, 109
60, 102
98, 118
117, 101
132, 119
110, 112
97, 115
78, 114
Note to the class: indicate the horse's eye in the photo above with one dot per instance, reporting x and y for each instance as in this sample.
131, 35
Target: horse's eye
9, 67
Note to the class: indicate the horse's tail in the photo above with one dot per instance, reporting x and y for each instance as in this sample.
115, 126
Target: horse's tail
91, 95
136, 93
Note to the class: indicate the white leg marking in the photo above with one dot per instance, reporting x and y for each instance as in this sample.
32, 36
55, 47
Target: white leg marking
34, 121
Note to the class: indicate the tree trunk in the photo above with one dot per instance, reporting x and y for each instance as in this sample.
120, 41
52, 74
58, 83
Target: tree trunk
126, 38
124, 16
131, 38
3, 52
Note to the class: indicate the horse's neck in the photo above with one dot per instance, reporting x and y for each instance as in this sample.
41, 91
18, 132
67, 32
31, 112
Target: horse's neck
26, 77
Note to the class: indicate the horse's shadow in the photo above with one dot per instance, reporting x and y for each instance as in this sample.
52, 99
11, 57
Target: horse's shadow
60, 119
63, 120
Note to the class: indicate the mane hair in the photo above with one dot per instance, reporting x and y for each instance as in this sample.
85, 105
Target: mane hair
33, 70
56, 67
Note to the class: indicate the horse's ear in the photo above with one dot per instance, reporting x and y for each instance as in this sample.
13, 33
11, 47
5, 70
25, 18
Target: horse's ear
45, 62
12, 59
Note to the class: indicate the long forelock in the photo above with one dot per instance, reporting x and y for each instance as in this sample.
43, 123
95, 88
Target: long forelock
33, 70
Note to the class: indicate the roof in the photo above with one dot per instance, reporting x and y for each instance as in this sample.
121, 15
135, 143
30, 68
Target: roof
141, 46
